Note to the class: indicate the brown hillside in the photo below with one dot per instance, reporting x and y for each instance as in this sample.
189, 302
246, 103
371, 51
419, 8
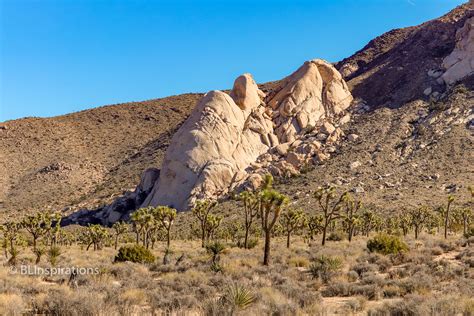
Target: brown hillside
84, 159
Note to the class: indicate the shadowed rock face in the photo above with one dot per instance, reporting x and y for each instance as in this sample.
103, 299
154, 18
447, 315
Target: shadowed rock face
225, 134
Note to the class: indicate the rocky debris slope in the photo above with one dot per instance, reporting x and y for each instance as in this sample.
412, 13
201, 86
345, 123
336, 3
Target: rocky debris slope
421, 153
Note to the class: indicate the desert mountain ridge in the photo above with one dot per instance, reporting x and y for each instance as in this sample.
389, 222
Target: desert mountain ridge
408, 131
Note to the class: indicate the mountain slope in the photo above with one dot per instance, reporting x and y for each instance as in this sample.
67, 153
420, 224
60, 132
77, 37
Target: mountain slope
392, 69
82, 159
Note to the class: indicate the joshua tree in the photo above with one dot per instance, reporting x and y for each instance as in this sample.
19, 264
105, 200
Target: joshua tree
54, 228
213, 222
95, 235
271, 205
446, 216
465, 215
329, 206
351, 220
404, 222
165, 217
419, 218
119, 228
143, 223
370, 221
291, 221
11, 233
314, 224
37, 225
251, 210
202, 210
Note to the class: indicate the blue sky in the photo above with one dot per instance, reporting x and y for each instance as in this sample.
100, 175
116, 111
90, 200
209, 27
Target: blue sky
62, 56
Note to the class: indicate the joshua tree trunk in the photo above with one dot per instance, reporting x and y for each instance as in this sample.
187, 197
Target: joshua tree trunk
168, 239
266, 253
34, 243
246, 240
288, 239
325, 228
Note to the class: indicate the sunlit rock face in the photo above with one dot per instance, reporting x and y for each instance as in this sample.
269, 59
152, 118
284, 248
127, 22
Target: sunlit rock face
460, 63
220, 144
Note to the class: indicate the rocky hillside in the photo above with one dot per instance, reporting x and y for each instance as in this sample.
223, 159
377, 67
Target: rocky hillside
410, 138
404, 64
84, 159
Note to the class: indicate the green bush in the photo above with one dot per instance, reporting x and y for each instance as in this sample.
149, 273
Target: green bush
134, 253
324, 267
386, 244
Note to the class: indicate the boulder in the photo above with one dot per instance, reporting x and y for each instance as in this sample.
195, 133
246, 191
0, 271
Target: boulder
313, 92
297, 160
352, 137
460, 63
227, 135
328, 128
217, 140
282, 149
244, 93
354, 165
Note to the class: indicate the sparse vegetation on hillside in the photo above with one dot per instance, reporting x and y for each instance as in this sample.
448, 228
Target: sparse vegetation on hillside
395, 259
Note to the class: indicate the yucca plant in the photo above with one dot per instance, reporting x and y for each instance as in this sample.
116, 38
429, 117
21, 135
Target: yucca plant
324, 267
215, 249
237, 296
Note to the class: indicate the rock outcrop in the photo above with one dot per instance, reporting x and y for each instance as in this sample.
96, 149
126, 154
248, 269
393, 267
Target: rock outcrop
230, 140
460, 63
222, 136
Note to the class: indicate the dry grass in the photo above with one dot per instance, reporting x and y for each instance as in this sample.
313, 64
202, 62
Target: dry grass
417, 282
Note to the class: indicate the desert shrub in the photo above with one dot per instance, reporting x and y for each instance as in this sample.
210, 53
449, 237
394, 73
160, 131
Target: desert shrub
251, 243
324, 267
336, 236
381, 262
53, 255
352, 276
369, 291
467, 257
436, 251
134, 253
470, 232
372, 278
298, 262
390, 291
364, 267
386, 244
336, 289
357, 304
446, 246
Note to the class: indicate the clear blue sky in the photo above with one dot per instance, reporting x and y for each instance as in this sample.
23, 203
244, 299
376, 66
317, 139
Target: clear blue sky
67, 55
